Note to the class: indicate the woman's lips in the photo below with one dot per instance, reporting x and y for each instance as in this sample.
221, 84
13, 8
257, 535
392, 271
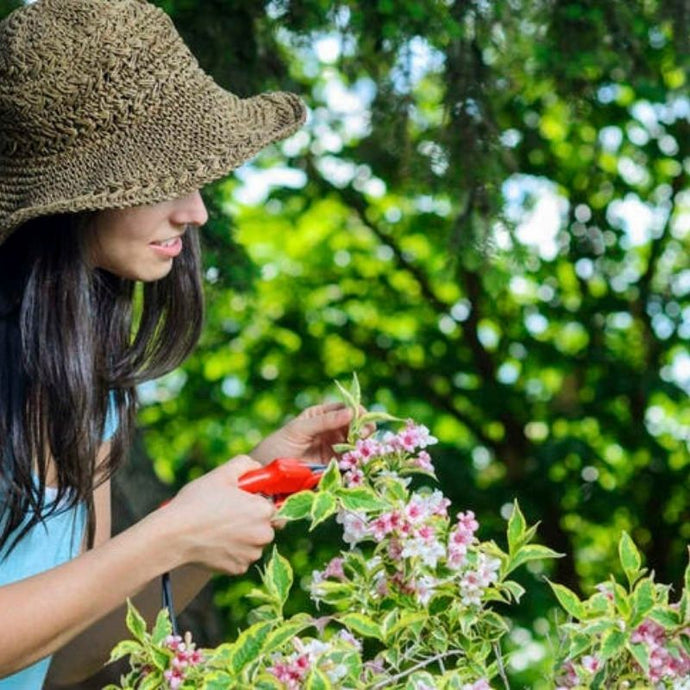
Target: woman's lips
169, 248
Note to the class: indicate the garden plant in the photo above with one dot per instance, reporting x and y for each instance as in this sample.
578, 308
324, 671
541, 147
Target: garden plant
415, 600
408, 603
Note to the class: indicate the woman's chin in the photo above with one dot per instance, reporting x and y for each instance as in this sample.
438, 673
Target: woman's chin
144, 274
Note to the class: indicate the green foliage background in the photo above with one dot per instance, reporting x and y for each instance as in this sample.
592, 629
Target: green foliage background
546, 368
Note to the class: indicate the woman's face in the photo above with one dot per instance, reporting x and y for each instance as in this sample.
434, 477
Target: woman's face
141, 242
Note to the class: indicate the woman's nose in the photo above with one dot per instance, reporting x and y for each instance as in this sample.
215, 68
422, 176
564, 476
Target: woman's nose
190, 210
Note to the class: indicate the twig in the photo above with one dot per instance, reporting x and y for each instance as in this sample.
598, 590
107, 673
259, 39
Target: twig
416, 667
501, 668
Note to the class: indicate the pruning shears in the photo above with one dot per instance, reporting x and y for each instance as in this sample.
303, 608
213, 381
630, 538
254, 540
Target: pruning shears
279, 479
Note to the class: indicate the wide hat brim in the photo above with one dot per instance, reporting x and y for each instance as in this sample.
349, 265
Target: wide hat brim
193, 139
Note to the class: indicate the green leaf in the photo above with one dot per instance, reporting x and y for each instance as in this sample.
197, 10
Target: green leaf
403, 622
297, 507
667, 618
514, 589
392, 489
630, 557
261, 596
620, 599
496, 622
162, 627
516, 528
331, 478
356, 389
282, 634
278, 577
135, 623
151, 682
354, 565
248, 646
160, 657
347, 396
125, 648
374, 417
221, 655
324, 506
334, 592
579, 644
317, 680
612, 643
389, 622
362, 625
685, 599
568, 600
642, 601
359, 500
640, 654
531, 552
266, 681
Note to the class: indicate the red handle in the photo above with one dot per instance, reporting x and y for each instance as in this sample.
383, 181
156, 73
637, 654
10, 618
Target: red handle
280, 477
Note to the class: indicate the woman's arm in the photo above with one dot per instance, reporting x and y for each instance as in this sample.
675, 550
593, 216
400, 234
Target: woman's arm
210, 522
309, 436
92, 647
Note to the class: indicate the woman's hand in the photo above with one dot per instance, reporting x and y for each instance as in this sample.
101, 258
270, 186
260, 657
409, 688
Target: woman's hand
220, 526
309, 436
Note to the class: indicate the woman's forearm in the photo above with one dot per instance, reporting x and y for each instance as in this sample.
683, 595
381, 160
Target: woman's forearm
43, 613
92, 647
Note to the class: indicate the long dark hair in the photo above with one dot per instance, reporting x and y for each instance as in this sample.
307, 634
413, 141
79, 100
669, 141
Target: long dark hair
70, 337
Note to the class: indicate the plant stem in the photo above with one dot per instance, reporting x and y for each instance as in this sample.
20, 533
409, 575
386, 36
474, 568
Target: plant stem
501, 668
444, 655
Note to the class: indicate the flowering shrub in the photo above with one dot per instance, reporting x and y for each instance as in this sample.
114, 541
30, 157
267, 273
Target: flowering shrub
625, 637
408, 603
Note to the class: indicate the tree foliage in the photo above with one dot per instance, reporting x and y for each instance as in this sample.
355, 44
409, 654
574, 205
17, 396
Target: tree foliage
489, 223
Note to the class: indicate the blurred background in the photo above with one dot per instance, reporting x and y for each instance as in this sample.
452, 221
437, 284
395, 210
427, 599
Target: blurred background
487, 217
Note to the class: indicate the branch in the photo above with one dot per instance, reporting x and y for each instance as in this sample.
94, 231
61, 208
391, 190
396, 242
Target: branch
501, 667
439, 657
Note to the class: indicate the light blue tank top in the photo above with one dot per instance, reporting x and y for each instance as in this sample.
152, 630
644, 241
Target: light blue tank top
45, 546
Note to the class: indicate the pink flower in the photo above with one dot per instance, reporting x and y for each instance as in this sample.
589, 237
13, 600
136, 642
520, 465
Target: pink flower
395, 549
467, 522
481, 684
413, 436
605, 589
424, 588
335, 568
367, 448
355, 527
415, 510
354, 477
348, 461
590, 663
348, 637
423, 461
457, 555
383, 525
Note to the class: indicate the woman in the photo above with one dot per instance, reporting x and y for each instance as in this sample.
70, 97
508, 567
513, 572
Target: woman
108, 128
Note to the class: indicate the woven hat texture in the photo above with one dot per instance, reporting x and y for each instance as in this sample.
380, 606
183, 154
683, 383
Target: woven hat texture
102, 105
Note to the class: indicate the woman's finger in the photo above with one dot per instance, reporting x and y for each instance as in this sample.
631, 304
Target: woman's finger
323, 423
322, 409
367, 430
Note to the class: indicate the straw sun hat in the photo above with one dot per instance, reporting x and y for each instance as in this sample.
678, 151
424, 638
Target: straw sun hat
102, 105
